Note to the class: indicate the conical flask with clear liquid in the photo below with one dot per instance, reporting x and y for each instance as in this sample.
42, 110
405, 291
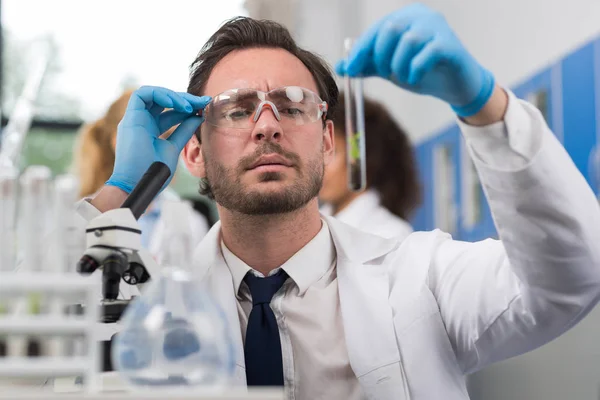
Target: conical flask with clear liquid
174, 335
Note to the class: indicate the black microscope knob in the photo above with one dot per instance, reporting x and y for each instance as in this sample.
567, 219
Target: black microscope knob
136, 273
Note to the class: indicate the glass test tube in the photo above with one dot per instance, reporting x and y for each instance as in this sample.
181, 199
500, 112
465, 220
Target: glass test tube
71, 238
68, 244
36, 198
355, 128
36, 203
9, 181
9, 184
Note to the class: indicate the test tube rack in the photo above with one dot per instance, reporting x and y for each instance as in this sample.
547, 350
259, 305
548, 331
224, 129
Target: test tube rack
67, 286
72, 286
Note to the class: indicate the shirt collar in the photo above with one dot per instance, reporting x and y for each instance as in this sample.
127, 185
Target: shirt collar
305, 267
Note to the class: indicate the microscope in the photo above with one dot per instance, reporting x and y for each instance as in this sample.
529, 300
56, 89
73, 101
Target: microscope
114, 248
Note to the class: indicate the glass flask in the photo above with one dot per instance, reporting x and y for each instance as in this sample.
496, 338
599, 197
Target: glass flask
174, 335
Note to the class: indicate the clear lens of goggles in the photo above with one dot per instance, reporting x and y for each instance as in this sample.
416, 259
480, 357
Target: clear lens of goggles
241, 108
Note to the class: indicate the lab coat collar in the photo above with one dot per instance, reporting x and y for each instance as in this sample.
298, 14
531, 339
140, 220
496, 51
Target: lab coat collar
210, 268
208, 252
350, 243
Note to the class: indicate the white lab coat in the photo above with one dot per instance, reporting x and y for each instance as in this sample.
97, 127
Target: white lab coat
366, 213
421, 313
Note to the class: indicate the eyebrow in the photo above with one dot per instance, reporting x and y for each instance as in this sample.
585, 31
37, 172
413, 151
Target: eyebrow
243, 96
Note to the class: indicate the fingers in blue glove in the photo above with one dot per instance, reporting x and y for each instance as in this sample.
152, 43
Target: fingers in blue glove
341, 70
197, 102
371, 54
340, 67
360, 58
170, 118
411, 43
385, 47
429, 56
184, 132
156, 99
133, 118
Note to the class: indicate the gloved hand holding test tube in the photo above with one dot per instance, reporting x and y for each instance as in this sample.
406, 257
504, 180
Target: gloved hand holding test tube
355, 128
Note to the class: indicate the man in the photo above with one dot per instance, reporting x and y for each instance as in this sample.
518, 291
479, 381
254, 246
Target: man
343, 314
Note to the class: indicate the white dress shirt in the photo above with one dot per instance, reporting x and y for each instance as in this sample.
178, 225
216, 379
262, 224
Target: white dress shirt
307, 308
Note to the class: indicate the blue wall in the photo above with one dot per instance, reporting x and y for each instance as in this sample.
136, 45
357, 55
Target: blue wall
571, 89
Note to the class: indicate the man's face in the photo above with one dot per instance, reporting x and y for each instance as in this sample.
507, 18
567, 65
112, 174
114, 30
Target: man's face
295, 154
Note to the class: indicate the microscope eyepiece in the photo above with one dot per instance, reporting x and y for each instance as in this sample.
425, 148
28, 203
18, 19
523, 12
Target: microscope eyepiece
87, 265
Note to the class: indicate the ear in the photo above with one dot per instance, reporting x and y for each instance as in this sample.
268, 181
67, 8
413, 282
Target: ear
193, 158
328, 142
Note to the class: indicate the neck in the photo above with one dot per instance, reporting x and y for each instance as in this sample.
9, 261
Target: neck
265, 242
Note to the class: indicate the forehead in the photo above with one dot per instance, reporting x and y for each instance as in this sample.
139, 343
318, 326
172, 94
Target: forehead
262, 69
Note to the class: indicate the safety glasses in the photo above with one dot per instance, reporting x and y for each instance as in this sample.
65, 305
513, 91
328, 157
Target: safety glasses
241, 108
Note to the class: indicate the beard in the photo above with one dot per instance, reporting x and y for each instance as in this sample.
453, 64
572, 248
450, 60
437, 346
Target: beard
228, 191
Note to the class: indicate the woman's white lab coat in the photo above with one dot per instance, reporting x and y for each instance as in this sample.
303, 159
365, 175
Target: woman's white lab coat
366, 213
421, 313
153, 224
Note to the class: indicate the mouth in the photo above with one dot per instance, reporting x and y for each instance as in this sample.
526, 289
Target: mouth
270, 162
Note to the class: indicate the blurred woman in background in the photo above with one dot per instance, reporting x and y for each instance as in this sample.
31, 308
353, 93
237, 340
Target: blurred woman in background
393, 190
94, 158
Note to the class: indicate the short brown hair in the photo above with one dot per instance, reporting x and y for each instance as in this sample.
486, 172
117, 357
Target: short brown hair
246, 33
391, 165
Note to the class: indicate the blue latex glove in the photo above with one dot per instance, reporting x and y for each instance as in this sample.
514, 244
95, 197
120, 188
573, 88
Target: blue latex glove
416, 49
138, 141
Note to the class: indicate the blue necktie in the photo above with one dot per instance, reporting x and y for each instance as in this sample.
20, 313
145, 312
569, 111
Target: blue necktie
262, 350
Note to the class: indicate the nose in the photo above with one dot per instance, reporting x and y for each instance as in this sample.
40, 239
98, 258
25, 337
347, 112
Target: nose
267, 126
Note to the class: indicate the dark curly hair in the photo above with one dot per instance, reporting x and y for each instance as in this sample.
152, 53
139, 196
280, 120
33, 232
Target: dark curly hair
391, 165
246, 33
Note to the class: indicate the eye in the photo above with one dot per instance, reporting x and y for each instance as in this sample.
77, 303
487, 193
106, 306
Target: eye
293, 111
238, 113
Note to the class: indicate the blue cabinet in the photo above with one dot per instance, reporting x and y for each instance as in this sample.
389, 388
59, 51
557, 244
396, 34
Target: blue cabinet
568, 95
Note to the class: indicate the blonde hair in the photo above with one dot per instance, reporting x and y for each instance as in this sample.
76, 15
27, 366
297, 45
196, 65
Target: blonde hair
95, 153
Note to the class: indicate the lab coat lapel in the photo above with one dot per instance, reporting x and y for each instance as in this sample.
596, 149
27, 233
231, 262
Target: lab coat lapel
210, 268
366, 311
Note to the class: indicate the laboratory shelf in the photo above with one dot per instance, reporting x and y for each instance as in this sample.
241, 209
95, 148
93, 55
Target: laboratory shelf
41, 366
43, 325
255, 394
